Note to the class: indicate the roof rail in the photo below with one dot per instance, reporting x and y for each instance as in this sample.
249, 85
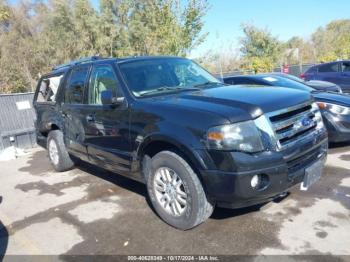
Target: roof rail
76, 62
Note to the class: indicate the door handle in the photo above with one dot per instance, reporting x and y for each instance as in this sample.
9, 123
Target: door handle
90, 118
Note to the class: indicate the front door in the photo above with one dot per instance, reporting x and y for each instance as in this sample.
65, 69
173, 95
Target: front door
107, 126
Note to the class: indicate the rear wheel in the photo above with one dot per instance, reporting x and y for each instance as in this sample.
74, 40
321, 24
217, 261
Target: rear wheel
176, 192
58, 154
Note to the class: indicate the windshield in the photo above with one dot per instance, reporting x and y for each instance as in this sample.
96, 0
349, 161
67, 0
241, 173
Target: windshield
152, 76
295, 78
285, 82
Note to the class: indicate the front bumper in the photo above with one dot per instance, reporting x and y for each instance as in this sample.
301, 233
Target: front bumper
338, 126
231, 186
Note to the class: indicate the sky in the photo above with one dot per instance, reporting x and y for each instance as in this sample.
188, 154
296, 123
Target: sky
283, 18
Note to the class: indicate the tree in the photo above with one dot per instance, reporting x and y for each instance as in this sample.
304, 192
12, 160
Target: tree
333, 41
35, 35
166, 27
85, 25
4, 12
297, 51
260, 50
259, 43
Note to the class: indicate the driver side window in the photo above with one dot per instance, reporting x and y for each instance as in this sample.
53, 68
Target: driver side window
102, 79
346, 66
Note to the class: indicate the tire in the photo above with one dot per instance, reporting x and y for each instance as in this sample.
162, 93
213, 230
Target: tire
194, 207
58, 154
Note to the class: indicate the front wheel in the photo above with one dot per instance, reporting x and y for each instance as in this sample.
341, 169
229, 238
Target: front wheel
176, 192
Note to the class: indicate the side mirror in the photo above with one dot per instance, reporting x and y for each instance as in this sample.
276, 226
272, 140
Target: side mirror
108, 98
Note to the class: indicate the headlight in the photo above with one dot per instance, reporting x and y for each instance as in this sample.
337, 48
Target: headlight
318, 115
335, 109
243, 136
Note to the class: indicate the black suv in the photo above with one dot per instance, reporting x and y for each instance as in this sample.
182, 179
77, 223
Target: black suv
193, 140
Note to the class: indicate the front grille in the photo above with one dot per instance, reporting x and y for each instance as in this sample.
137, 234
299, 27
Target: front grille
303, 161
292, 124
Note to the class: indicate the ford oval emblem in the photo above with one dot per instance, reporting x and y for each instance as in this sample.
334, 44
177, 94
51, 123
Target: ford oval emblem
306, 121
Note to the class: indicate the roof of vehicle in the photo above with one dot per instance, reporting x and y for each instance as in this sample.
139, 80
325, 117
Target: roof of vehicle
325, 63
92, 59
137, 58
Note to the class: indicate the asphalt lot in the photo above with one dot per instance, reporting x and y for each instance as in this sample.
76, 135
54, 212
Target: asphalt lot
91, 211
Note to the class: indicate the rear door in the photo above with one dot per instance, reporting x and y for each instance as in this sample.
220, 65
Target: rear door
107, 126
345, 76
73, 111
329, 72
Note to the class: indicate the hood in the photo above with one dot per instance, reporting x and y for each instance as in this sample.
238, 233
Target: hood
334, 98
238, 103
320, 83
323, 85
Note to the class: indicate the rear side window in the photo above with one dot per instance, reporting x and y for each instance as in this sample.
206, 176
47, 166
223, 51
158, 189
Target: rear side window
48, 89
74, 93
328, 68
311, 70
345, 67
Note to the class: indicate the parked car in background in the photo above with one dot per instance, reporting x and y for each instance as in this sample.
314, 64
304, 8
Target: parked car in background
335, 107
195, 142
316, 84
335, 72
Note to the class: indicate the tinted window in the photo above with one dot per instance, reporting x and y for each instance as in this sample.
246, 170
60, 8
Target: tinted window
246, 81
312, 69
74, 93
163, 75
294, 78
102, 78
346, 66
328, 68
229, 81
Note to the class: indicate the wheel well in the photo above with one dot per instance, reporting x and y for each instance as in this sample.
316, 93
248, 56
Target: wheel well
157, 146
51, 127
54, 127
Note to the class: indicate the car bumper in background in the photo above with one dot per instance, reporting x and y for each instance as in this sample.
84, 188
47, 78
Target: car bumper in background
338, 126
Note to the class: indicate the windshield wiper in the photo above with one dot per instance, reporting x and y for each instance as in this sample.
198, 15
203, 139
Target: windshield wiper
209, 83
166, 88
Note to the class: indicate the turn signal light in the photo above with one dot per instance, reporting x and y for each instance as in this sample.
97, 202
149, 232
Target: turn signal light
321, 105
216, 136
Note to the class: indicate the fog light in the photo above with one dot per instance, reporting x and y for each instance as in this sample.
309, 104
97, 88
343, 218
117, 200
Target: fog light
255, 182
